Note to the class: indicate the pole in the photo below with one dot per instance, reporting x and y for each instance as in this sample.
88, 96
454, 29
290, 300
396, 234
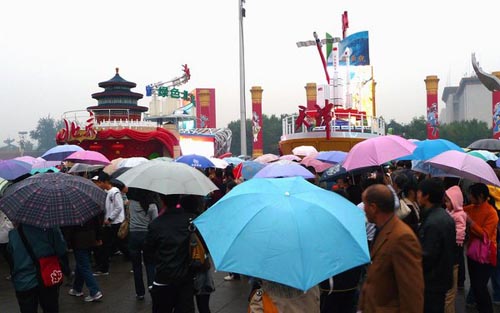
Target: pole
243, 130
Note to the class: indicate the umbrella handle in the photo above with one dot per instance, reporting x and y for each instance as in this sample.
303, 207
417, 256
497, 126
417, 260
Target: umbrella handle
191, 227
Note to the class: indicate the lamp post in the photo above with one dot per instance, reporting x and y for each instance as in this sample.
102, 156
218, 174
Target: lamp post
22, 141
243, 130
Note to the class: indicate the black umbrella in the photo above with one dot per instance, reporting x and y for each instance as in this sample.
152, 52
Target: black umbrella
485, 144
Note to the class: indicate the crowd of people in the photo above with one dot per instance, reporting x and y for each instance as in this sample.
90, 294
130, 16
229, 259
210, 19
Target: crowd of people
424, 234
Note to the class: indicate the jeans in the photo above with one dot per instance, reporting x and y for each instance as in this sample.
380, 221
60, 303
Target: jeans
48, 298
177, 297
83, 272
479, 275
136, 243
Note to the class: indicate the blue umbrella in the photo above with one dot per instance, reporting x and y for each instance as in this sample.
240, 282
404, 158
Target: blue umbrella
429, 148
12, 169
195, 160
233, 160
423, 167
248, 169
59, 153
293, 233
333, 157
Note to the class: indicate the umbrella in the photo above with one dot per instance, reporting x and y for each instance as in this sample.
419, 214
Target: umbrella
247, 169
317, 164
267, 158
423, 167
283, 169
465, 166
484, 155
287, 234
168, 178
132, 162
118, 172
53, 199
377, 150
12, 169
113, 166
59, 153
195, 160
219, 163
333, 157
233, 160
84, 168
88, 157
485, 144
430, 148
41, 163
290, 157
44, 170
304, 150
333, 173
26, 159
163, 159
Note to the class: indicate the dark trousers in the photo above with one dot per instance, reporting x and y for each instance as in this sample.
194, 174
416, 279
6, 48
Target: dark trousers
434, 302
5, 254
338, 302
176, 297
461, 269
48, 298
136, 243
104, 252
479, 275
202, 303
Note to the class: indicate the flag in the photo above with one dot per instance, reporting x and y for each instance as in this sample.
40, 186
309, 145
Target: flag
329, 45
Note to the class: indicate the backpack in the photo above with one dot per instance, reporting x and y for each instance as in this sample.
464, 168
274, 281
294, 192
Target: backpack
199, 261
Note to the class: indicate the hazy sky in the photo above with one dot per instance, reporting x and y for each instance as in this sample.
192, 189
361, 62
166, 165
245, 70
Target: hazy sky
54, 53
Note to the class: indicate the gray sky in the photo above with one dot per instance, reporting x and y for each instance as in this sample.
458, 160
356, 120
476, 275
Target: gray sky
53, 53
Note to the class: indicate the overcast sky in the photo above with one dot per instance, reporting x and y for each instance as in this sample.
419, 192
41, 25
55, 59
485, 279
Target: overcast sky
54, 53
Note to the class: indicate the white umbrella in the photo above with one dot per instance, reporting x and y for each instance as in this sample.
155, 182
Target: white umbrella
82, 168
132, 162
305, 150
219, 163
168, 178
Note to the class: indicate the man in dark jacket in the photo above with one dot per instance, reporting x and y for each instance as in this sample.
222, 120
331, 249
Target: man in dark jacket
167, 242
437, 236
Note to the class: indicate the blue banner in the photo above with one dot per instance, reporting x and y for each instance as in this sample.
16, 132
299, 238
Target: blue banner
360, 52
149, 91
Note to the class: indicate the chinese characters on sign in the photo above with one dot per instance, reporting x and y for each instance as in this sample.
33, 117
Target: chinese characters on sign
170, 92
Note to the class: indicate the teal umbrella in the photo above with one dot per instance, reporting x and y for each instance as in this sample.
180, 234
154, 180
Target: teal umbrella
285, 230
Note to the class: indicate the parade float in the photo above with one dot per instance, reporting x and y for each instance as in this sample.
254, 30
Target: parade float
176, 122
341, 112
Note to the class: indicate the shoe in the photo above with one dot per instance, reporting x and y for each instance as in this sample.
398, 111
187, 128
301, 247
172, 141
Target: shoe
99, 273
139, 297
73, 292
229, 277
93, 298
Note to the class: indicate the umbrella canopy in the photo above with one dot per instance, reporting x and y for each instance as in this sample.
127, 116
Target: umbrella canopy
233, 160
247, 169
168, 178
484, 155
119, 171
429, 148
333, 173
304, 150
132, 162
52, 169
12, 169
290, 157
426, 168
219, 163
283, 169
466, 166
26, 159
319, 166
113, 166
485, 144
195, 160
59, 153
267, 158
287, 234
53, 199
88, 157
41, 163
378, 150
333, 157
83, 168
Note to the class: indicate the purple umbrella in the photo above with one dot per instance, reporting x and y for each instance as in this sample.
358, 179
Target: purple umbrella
59, 153
26, 159
333, 157
42, 163
377, 151
465, 166
283, 169
12, 169
53, 199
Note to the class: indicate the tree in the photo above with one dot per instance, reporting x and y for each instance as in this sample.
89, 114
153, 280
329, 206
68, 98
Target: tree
417, 128
45, 132
463, 133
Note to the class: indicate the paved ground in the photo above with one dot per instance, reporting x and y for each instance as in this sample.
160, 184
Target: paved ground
119, 294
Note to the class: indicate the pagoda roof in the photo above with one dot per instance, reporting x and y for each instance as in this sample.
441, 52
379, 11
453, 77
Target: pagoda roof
131, 107
117, 80
116, 93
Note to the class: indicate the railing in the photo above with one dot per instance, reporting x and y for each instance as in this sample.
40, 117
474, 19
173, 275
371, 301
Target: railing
80, 117
356, 123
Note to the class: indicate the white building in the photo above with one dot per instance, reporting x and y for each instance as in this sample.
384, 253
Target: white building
470, 100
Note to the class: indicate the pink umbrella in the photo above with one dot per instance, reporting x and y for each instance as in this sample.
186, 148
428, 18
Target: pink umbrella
465, 166
41, 163
317, 164
290, 157
377, 151
267, 158
88, 157
26, 159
